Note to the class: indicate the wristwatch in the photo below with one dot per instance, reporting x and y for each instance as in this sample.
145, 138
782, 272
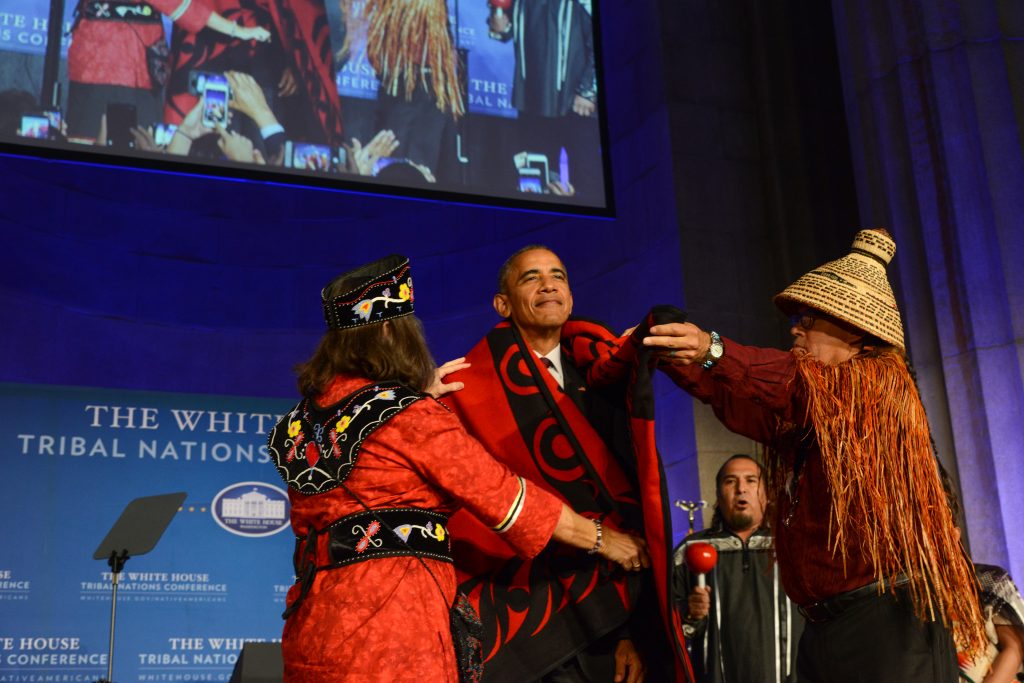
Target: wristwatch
715, 351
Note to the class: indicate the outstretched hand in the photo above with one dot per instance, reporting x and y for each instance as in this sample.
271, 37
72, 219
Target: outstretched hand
362, 159
625, 550
257, 33
438, 388
235, 146
247, 97
679, 343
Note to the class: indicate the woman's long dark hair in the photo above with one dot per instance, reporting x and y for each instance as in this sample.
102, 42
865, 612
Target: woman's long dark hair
394, 349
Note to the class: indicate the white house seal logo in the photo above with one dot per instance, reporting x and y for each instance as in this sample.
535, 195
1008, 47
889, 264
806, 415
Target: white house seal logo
251, 508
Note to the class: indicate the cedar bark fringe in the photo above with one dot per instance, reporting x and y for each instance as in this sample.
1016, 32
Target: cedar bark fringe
408, 43
886, 493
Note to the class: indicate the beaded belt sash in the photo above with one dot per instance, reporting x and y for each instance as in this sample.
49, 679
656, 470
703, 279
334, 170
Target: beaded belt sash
365, 536
120, 11
361, 536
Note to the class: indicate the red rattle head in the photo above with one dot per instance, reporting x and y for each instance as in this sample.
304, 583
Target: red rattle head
500, 4
701, 558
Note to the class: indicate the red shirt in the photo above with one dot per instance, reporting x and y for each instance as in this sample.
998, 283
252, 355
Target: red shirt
385, 619
751, 390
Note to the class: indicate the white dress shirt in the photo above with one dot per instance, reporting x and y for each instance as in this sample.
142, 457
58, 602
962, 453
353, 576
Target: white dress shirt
555, 356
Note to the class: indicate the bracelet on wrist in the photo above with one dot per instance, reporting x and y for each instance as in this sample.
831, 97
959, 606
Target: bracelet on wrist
599, 541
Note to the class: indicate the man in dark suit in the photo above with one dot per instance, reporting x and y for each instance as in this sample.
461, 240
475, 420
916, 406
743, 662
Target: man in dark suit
546, 397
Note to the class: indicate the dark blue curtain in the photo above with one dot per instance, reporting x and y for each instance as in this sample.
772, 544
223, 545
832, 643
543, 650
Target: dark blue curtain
935, 105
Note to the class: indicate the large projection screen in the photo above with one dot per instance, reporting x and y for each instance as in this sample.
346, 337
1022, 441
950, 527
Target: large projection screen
488, 101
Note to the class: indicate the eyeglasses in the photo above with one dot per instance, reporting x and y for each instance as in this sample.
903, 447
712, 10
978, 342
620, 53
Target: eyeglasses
804, 320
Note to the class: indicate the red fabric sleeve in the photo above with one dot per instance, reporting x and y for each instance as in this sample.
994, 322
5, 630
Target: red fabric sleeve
457, 464
749, 389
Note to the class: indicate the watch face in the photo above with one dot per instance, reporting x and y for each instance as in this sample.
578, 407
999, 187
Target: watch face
716, 350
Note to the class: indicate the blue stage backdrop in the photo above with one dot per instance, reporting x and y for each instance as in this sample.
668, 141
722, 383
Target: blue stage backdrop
126, 282
217, 577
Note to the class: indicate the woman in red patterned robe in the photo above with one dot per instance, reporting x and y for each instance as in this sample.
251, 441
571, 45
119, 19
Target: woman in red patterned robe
387, 618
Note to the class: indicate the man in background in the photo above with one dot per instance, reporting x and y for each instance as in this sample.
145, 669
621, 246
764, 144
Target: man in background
740, 626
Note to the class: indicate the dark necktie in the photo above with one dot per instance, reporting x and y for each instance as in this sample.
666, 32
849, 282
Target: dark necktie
547, 362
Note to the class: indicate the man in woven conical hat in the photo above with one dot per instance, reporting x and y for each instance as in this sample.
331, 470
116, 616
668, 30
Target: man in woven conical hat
865, 540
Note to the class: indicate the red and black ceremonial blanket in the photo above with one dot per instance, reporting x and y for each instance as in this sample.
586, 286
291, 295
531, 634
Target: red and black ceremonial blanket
539, 612
304, 36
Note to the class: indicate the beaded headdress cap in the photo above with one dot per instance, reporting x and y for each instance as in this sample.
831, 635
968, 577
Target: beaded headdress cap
382, 290
854, 288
